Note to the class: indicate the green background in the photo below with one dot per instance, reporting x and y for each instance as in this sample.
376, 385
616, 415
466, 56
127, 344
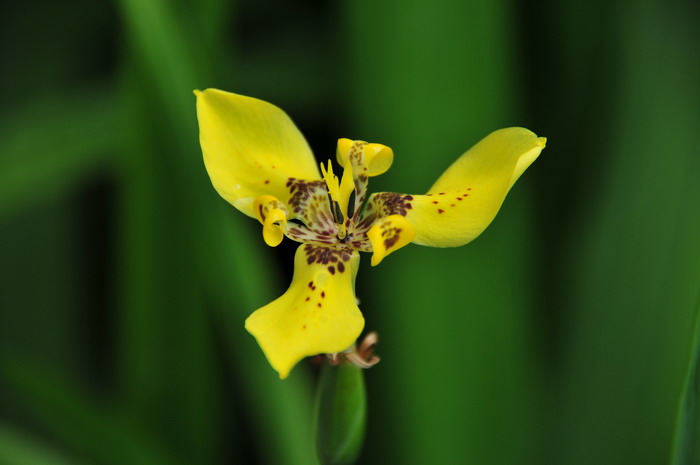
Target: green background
563, 335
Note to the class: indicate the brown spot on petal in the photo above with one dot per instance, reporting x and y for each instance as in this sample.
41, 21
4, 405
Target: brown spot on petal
331, 269
267, 181
319, 305
323, 294
440, 210
308, 298
341, 267
435, 202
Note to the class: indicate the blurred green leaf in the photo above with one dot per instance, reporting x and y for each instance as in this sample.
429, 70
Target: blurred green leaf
634, 257
341, 414
51, 145
230, 269
105, 434
686, 449
457, 341
20, 449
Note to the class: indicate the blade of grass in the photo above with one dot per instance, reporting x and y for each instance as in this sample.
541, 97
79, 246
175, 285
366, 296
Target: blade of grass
686, 447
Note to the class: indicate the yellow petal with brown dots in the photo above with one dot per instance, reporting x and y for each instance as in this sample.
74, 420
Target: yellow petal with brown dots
251, 148
466, 198
388, 235
317, 315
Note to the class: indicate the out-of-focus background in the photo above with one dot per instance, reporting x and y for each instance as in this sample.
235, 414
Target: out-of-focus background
562, 336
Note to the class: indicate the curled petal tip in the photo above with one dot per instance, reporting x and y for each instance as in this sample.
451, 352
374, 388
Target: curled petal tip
197, 92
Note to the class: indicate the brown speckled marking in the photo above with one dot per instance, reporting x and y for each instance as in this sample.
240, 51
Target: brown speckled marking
319, 305
267, 181
323, 294
440, 210
334, 257
452, 205
435, 202
391, 203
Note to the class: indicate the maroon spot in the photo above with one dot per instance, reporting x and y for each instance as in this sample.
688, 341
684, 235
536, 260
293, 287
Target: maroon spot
441, 193
435, 202
267, 181
341, 267
319, 304
311, 284
308, 298
459, 198
331, 269
323, 294
440, 210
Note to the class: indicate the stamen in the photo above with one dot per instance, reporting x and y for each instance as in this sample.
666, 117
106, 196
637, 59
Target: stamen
340, 194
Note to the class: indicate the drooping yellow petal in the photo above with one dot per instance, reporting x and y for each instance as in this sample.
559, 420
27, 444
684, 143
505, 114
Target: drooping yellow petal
273, 215
389, 234
251, 148
466, 198
318, 314
369, 159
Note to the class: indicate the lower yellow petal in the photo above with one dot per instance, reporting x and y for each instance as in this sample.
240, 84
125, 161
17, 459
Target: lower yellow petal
389, 234
317, 315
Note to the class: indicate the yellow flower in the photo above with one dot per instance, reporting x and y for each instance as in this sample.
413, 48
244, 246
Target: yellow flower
259, 162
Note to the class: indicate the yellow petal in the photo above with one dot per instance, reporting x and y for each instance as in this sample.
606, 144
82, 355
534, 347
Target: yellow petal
317, 315
369, 158
251, 148
273, 215
389, 234
466, 198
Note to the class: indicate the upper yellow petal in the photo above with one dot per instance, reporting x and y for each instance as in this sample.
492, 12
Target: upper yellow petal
251, 148
317, 315
466, 198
